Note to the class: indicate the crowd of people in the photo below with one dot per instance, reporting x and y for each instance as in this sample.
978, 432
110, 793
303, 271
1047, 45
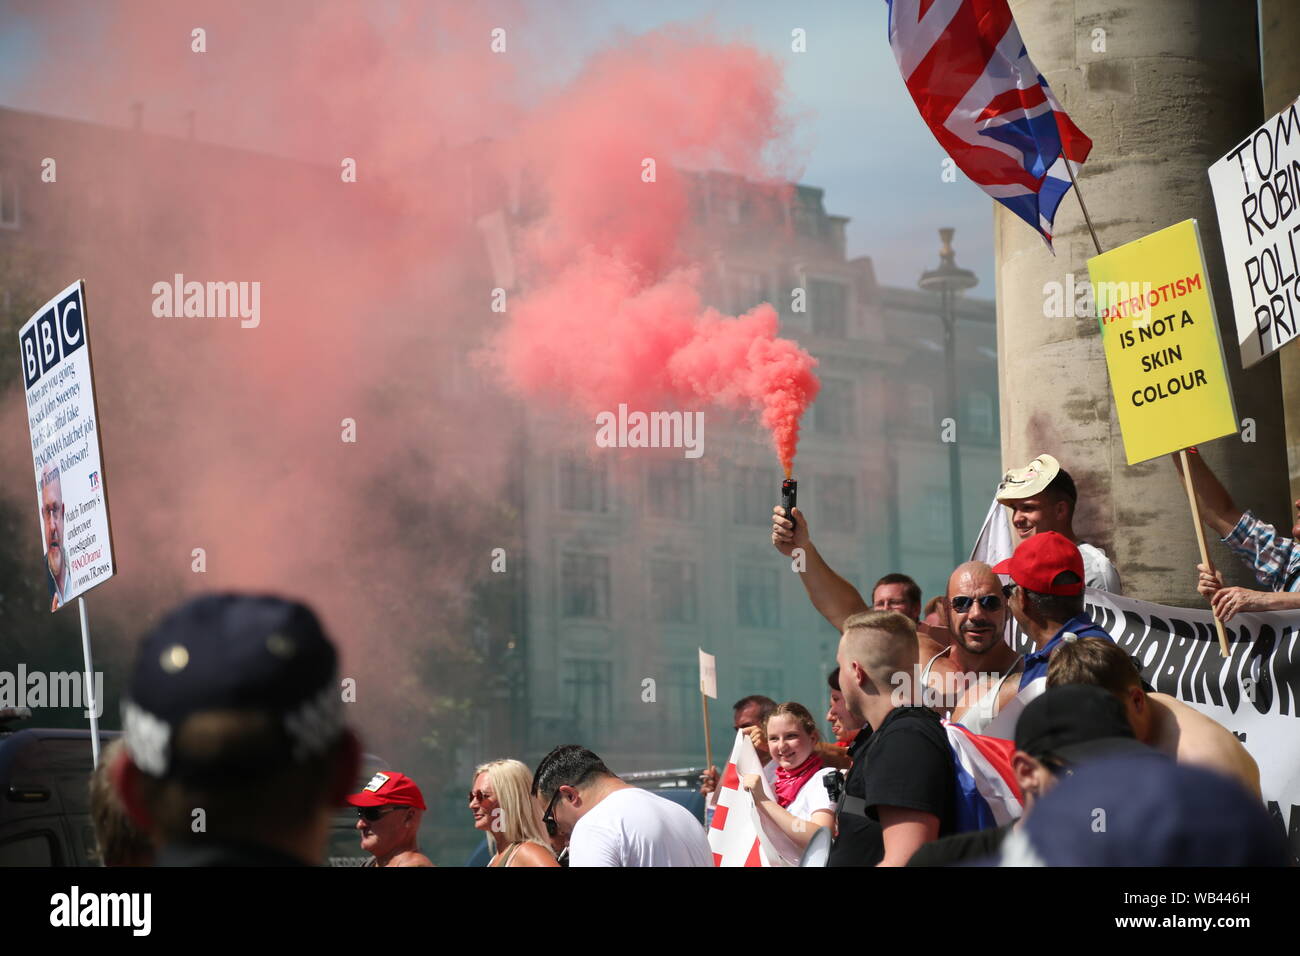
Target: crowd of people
235, 750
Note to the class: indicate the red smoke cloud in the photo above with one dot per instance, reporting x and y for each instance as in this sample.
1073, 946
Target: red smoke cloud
612, 313
229, 439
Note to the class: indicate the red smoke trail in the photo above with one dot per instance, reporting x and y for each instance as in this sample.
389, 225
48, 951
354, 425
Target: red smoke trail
230, 440
612, 313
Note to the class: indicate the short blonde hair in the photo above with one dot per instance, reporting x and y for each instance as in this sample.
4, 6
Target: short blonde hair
883, 642
520, 819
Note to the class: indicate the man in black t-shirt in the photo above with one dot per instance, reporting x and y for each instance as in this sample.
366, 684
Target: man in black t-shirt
901, 790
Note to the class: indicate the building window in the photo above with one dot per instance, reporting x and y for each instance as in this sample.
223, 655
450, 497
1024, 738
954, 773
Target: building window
828, 306
672, 591
936, 517
756, 491
807, 212
584, 585
748, 289
670, 490
683, 701
920, 405
584, 484
9, 210
757, 597
979, 406
588, 692
833, 409
836, 503
762, 680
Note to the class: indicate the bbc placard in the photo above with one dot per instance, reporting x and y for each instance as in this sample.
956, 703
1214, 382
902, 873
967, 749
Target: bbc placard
67, 454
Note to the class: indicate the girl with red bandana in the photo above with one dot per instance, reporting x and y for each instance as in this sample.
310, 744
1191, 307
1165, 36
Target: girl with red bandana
802, 804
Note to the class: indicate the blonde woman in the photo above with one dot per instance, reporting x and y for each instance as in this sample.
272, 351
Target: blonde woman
502, 802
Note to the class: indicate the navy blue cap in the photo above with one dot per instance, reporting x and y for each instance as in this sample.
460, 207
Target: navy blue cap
233, 652
1140, 811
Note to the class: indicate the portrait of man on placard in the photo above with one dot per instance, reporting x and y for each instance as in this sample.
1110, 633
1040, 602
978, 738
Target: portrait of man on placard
56, 561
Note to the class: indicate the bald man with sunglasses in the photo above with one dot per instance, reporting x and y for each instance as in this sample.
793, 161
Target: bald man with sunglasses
971, 679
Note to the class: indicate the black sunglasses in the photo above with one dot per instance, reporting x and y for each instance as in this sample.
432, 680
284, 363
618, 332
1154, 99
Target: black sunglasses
371, 814
548, 818
989, 602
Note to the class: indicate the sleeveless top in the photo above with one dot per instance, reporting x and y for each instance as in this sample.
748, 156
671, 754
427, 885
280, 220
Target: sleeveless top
983, 713
511, 850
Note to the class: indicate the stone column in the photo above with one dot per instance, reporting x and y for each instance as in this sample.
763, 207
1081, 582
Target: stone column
1163, 90
1280, 32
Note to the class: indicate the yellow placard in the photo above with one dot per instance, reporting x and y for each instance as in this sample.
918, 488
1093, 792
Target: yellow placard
1161, 336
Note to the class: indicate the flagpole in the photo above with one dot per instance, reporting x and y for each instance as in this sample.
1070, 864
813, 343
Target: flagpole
1200, 540
88, 693
708, 740
1069, 168
1187, 471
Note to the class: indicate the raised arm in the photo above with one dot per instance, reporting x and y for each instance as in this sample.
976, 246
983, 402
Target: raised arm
1218, 511
834, 598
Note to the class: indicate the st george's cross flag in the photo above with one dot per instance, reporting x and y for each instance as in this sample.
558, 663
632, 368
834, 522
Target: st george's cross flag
737, 834
733, 837
968, 71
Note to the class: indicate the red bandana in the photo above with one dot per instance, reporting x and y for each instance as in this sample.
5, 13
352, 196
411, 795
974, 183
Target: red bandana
790, 782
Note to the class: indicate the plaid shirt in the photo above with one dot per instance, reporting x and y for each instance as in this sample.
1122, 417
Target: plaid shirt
1275, 560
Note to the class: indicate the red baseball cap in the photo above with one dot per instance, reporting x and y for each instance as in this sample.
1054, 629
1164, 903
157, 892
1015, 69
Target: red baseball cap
388, 788
1038, 561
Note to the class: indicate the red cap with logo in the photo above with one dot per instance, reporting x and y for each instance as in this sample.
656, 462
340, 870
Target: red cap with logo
1040, 559
388, 788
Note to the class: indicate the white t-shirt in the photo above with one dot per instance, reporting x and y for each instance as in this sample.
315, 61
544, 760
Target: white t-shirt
812, 796
1098, 572
633, 827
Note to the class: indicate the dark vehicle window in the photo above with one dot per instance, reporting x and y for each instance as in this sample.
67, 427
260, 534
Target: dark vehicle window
32, 849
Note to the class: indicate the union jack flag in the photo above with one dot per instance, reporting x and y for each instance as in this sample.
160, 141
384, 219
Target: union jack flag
987, 792
968, 71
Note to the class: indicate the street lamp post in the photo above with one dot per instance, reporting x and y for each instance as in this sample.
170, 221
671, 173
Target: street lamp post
948, 280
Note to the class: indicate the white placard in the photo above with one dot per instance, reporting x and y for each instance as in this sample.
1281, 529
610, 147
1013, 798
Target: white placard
54, 349
708, 675
1257, 198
